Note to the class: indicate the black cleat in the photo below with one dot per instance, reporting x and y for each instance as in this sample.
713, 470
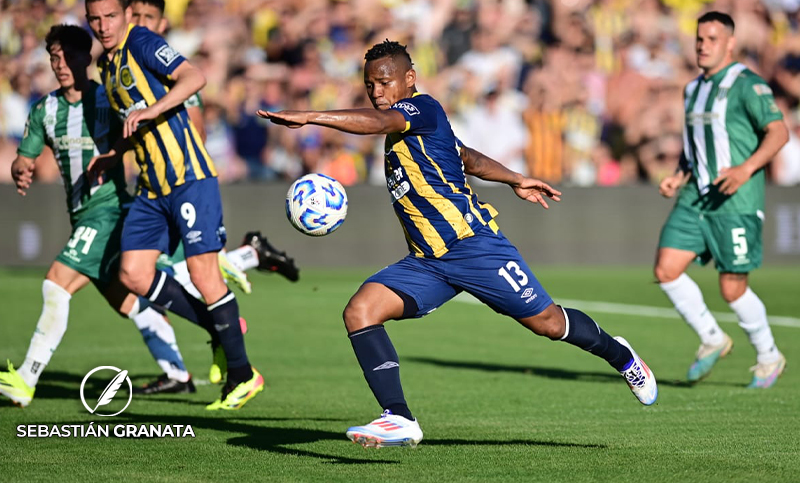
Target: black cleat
165, 385
269, 258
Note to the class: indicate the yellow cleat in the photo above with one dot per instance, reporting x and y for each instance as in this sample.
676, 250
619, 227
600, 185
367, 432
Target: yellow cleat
233, 275
13, 387
234, 397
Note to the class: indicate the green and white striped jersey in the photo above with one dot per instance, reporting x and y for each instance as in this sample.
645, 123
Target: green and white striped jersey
725, 119
76, 133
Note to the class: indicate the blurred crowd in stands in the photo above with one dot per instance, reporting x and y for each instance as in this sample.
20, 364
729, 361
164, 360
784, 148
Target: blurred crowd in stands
576, 92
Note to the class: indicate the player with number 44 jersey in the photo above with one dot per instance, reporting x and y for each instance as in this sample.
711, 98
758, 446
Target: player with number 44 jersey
733, 128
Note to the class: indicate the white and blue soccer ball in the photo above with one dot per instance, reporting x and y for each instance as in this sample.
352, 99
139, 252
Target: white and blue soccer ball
316, 204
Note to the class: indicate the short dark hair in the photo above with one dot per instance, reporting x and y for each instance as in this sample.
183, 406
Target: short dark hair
720, 17
71, 38
159, 4
389, 48
123, 3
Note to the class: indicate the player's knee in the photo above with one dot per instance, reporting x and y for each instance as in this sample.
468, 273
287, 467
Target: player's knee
665, 273
731, 293
356, 316
135, 278
547, 324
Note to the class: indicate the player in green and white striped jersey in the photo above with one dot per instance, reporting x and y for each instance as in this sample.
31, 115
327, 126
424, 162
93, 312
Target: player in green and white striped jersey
732, 130
75, 122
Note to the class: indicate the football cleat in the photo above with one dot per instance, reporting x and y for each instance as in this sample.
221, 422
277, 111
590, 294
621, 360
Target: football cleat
219, 363
234, 396
766, 375
640, 379
707, 356
166, 385
13, 387
388, 430
233, 275
269, 258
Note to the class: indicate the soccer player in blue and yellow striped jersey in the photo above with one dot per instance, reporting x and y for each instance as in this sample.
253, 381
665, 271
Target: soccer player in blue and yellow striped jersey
178, 196
455, 244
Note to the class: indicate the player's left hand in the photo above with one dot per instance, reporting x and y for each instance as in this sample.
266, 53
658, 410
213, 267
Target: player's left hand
291, 119
731, 179
99, 165
136, 118
536, 191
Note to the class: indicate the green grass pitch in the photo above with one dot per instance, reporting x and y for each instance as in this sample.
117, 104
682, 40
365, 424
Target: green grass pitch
496, 403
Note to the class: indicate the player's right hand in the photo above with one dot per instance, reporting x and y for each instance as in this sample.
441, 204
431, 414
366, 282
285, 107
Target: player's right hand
671, 184
99, 165
290, 119
22, 174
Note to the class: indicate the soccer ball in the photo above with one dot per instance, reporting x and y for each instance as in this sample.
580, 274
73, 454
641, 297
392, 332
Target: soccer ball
316, 204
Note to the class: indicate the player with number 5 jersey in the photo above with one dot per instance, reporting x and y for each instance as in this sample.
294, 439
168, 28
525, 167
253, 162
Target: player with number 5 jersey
733, 128
178, 196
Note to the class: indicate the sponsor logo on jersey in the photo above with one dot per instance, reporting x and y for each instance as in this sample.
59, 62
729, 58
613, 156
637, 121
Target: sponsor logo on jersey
66, 143
124, 113
762, 90
410, 109
166, 54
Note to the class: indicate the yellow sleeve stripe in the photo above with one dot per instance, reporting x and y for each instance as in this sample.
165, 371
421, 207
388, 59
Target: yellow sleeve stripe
174, 151
453, 187
408, 126
444, 206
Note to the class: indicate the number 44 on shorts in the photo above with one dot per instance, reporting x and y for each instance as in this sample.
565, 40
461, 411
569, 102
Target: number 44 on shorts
85, 234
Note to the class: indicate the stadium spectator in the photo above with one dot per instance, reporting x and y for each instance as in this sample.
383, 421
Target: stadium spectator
616, 67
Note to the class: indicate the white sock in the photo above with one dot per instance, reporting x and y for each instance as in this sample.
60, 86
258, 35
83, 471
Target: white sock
155, 322
181, 275
688, 301
753, 320
244, 258
49, 330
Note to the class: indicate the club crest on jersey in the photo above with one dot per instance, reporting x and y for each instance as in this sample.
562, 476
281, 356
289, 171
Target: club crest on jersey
411, 109
126, 78
166, 54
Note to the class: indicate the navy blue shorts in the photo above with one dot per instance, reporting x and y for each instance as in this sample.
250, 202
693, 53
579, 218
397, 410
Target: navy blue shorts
191, 213
485, 265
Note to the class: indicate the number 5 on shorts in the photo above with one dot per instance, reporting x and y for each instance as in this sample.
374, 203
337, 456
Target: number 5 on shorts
739, 242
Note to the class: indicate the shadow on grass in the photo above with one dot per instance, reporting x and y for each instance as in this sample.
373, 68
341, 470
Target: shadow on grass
510, 442
549, 372
260, 437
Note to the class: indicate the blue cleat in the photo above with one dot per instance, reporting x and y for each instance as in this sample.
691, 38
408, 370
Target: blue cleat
766, 375
707, 356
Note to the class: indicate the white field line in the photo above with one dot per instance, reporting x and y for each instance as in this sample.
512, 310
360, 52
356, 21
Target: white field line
643, 310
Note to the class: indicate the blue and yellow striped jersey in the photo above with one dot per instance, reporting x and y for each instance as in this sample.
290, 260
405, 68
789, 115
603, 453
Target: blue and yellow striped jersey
425, 177
168, 149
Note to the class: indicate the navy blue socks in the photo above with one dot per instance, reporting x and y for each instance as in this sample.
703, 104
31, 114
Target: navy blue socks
584, 332
166, 292
225, 319
379, 361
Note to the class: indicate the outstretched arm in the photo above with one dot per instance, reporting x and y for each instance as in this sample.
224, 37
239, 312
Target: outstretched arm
354, 121
486, 168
